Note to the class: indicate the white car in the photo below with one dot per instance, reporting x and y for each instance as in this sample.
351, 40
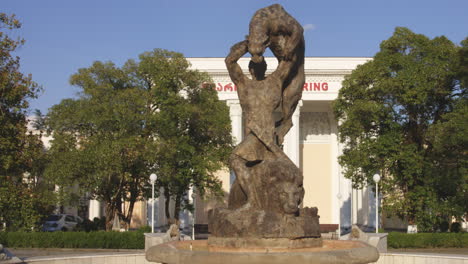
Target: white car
61, 222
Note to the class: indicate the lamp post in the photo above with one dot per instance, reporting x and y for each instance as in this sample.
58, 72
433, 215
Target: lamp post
352, 204
339, 214
153, 178
376, 180
194, 213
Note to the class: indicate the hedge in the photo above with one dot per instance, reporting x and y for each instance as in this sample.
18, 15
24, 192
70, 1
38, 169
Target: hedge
99, 239
136, 240
427, 240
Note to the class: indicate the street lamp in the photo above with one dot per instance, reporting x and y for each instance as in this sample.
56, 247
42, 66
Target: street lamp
339, 214
153, 178
376, 180
352, 204
194, 212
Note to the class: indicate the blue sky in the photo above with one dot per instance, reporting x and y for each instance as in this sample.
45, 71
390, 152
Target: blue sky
63, 36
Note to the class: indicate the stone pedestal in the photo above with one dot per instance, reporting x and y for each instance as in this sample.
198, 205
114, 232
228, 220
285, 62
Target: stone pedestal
251, 223
265, 229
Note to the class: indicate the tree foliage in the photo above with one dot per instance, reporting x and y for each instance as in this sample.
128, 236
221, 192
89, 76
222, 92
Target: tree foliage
396, 113
100, 141
23, 198
150, 115
192, 127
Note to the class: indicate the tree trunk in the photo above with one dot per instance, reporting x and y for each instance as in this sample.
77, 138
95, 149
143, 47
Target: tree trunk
131, 204
118, 206
166, 204
177, 207
113, 202
110, 213
134, 195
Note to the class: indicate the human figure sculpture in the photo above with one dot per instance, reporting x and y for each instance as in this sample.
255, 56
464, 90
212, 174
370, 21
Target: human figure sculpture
272, 27
264, 201
259, 97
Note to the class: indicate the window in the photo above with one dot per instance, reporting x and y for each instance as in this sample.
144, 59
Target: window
70, 218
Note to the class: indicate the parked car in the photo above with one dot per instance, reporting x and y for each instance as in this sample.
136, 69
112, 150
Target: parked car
61, 222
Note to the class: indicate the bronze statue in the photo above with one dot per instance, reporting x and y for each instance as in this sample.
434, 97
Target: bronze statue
265, 199
264, 221
272, 27
259, 97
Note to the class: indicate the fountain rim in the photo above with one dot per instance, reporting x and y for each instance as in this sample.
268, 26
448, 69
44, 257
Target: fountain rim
171, 253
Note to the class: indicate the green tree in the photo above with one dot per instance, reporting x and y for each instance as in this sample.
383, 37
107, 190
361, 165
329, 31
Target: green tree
147, 116
386, 109
450, 144
101, 146
449, 165
22, 196
192, 127
463, 70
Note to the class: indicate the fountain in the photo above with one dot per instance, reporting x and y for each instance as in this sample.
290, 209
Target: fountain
263, 222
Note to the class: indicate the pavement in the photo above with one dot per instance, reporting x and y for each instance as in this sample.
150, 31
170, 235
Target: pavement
24, 253
438, 251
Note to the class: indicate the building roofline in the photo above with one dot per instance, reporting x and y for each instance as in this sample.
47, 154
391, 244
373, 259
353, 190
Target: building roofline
324, 65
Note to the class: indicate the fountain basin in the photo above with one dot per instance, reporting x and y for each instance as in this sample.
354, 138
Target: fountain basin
199, 252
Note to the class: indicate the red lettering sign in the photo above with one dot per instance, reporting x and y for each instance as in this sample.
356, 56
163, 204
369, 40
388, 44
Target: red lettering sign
309, 87
324, 86
228, 87
316, 86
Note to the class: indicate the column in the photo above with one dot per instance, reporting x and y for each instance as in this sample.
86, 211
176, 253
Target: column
292, 139
335, 171
358, 208
353, 206
235, 113
94, 209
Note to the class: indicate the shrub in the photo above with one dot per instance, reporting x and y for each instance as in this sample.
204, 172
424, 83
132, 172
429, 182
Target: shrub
427, 240
86, 226
100, 223
444, 226
99, 239
144, 229
455, 227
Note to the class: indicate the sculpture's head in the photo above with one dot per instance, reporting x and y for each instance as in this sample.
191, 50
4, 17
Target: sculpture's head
285, 192
257, 46
258, 69
257, 55
291, 197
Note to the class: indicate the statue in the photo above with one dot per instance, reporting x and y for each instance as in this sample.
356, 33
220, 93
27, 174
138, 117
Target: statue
274, 28
265, 198
259, 98
264, 221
